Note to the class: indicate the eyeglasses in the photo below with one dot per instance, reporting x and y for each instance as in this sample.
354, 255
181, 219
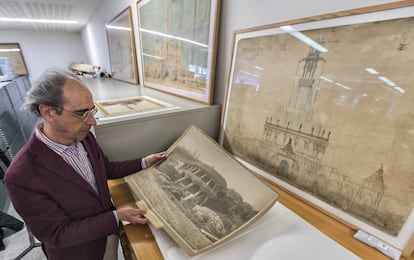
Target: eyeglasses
84, 115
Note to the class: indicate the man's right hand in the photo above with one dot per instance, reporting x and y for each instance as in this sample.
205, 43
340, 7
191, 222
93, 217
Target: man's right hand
132, 215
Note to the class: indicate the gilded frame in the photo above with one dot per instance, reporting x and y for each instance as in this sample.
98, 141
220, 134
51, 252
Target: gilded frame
303, 111
121, 45
177, 56
15, 54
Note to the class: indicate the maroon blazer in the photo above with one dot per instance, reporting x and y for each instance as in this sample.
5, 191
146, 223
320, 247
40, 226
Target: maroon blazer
59, 206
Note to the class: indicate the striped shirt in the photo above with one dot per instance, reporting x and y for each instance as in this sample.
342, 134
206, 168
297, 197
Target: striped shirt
74, 155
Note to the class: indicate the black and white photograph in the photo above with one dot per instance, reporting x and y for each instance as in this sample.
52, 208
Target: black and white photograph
200, 193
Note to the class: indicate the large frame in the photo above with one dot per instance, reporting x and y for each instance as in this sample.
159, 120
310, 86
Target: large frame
178, 46
14, 53
200, 195
121, 44
322, 106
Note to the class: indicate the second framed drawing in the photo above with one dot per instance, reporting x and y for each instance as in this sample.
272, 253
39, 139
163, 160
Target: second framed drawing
129, 105
14, 53
121, 43
323, 107
178, 46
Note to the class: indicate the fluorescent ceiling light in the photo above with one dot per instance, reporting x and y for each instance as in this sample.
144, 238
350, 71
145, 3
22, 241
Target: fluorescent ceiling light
326, 79
342, 86
387, 81
25, 20
303, 38
152, 56
173, 37
10, 50
399, 89
372, 71
122, 28
251, 74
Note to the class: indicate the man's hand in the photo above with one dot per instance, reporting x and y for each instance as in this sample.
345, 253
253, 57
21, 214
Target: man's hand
132, 215
151, 159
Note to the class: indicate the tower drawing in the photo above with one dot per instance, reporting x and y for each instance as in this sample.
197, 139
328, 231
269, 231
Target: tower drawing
294, 144
299, 140
303, 95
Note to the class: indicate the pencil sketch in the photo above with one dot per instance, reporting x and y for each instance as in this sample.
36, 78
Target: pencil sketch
324, 123
127, 105
178, 47
121, 44
202, 194
15, 54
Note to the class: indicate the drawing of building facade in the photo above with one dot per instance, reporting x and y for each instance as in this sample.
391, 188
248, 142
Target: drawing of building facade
198, 184
293, 146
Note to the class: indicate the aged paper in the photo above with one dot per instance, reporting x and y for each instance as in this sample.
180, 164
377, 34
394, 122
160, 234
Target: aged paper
337, 124
127, 105
200, 193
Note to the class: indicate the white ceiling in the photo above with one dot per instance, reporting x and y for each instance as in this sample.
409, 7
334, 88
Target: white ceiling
78, 10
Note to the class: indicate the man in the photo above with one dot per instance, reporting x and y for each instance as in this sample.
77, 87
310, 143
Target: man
58, 181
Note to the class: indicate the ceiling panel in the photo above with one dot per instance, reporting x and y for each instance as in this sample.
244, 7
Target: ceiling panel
76, 10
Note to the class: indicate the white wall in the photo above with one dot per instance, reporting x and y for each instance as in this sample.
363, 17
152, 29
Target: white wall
94, 34
42, 50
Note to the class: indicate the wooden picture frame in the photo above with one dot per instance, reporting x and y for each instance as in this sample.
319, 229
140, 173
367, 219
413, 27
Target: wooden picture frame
320, 106
121, 45
121, 106
200, 195
178, 46
15, 54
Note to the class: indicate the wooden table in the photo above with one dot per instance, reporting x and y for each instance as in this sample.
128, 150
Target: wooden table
137, 240
139, 243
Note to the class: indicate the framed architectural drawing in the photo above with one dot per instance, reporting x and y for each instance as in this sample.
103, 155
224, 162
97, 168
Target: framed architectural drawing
121, 44
323, 106
200, 195
13, 52
178, 46
128, 105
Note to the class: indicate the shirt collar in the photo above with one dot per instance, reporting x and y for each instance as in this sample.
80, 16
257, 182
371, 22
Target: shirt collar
57, 147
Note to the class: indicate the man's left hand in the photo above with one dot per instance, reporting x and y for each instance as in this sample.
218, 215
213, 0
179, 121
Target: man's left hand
151, 159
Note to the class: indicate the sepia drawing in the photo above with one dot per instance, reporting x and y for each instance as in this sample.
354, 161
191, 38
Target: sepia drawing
178, 46
127, 105
121, 44
201, 194
15, 54
330, 115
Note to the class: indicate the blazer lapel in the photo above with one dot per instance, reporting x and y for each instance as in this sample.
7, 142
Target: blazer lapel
46, 158
99, 176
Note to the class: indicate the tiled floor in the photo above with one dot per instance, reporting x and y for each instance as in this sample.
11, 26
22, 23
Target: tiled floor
17, 242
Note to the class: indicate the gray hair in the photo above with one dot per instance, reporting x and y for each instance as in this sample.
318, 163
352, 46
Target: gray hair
48, 90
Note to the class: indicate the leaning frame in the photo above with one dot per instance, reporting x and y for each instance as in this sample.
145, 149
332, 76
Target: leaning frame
129, 105
178, 46
333, 127
15, 54
121, 45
